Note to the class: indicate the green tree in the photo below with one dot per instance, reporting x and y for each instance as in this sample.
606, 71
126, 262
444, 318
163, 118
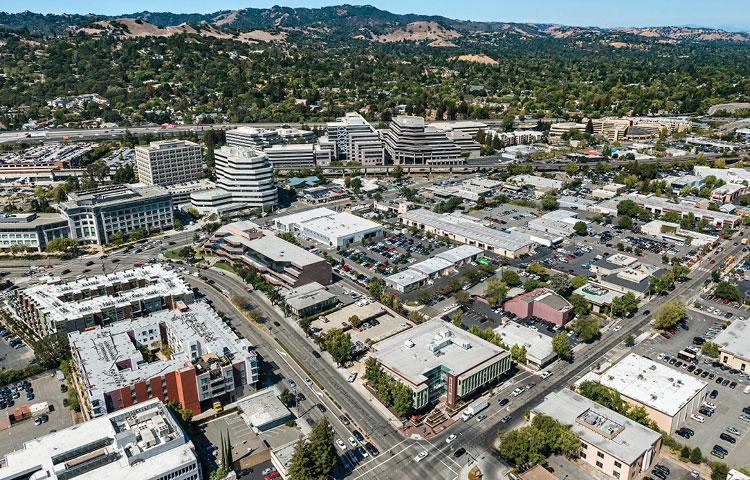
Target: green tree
581, 229
630, 340
561, 345
321, 449
339, 345
696, 456
578, 281
581, 306
670, 313
560, 283
193, 212
628, 208
711, 349
719, 470
403, 400
536, 269
571, 168
376, 287
288, 237
458, 318
177, 224
728, 291
587, 328
60, 244
286, 397
511, 278
530, 284
625, 222
549, 202
397, 172
301, 464
685, 453
463, 298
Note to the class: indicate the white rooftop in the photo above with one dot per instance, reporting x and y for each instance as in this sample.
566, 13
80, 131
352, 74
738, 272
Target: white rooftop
413, 353
659, 386
537, 344
263, 408
431, 266
735, 339
406, 278
137, 443
460, 253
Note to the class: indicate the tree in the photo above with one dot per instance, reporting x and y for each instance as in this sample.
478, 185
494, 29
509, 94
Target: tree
696, 456
728, 291
177, 224
339, 345
625, 222
560, 283
536, 269
630, 340
571, 168
463, 298
561, 345
354, 321
670, 313
60, 244
425, 296
530, 284
193, 212
124, 174
578, 281
549, 202
581, 229
457, 318
376, 287
711, 349
286, 397
719, 470
511, 278
715, 275
587, 328
685, 453
52, 349
321, 449
403, 400
301, 463
627, 207
397, 172
581, 306
288, 237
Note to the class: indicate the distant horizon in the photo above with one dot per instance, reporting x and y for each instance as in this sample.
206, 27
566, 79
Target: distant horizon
728, 15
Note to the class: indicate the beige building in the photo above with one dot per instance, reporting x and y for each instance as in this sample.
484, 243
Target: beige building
610, 443
168, 162
668, 395
734, 344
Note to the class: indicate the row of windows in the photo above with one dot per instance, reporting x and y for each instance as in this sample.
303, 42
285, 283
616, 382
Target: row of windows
180, 472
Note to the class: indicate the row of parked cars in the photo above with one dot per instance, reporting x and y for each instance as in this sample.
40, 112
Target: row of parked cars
11, 392
8, 336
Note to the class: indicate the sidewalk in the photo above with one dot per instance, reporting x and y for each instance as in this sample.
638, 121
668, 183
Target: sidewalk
491, 468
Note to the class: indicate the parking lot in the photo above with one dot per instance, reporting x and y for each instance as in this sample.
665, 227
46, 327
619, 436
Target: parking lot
15, 357
46, 388
729, 401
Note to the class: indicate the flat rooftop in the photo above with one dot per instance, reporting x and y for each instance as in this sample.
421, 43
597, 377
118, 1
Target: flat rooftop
109, 196
597, 294
136, 443
546, 297
415, 352
307, 295
596, 425
659, 386
8, 221
735, 339
468, 227
159, 283
460, 253
279, 250
537, 345
406, 278
263, 408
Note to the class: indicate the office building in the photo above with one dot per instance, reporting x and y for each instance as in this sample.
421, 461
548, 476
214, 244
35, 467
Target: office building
424, 272
408, 141
33, 230
291, 157
142, 442
289, 135
100, 300
263, 411
439, 361
600, 298
329, 227
95, 215
253, 138
469, 127
539, 352
180, 192
167, 162
674, 233
611, 443
244, 179
541, 303
277, 261
728, 193
366, 148
205, 361
340, 131
734, 344
661, 205
668, 395
309, 299
465, 229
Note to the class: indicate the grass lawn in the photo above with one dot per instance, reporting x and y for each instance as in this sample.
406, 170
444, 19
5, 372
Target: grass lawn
225, 266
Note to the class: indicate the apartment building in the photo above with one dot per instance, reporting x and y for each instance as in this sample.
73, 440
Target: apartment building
141, 442
167, 162
408, 141
93, 216
33, 230
439, 361
207, 361
611, 443
278, 261
244, 179
254, 138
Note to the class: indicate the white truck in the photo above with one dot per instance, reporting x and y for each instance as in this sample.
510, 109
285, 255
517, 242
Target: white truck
473, 410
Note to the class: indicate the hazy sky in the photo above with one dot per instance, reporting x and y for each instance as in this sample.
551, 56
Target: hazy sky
728, 14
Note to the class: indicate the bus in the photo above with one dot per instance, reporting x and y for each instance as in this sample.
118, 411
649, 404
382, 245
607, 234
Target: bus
686, 356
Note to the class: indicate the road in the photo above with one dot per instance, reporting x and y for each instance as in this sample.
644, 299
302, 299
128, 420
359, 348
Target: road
339, 397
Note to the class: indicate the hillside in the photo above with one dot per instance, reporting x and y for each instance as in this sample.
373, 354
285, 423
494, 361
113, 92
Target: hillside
346, 22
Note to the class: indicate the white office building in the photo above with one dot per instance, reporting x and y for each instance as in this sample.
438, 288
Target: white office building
244, 180
329, 227
141, 442
168, 162
291, 157
340, 130
256, 138
410, 142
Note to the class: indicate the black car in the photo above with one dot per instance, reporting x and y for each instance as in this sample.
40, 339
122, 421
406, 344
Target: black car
728, 438
89, 263
721, 449
719, 380
705, 411
503, 402
658, 474
733, 385
725, 382
115, 260
344, 420
646, 312
683, 433
321, 407
63, 388
315, 354
746, 410
277, 324
459, 452
371, 448
358, 436
662, 469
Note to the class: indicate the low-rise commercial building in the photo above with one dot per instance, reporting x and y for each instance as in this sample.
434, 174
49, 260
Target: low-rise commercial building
541, 303
277, 261
95, 215
167, 162
611, 443
674, 233
438, 360
309, 299
599, 297
539, 352
426, 271
668, 395
328, 227
728, 193
540, 184
624, 274
661, 205
180, 192
263, 410
32, 230
465, 229
205, 360
734, 344
100, 300
142, 442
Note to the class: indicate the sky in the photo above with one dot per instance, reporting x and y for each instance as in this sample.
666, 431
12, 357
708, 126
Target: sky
731, 15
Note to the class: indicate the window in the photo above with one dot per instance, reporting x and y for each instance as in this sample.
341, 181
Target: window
616, 474
618, 464
599, 464
600, 454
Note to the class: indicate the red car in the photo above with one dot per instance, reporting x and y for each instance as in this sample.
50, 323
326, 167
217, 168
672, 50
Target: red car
665, 335
726, 300
272, 475
712, 262
395, 294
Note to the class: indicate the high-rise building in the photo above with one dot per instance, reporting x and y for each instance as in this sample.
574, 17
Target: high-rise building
168, 162
410, 142
341, 130
244, 180
95, 215
257, 138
